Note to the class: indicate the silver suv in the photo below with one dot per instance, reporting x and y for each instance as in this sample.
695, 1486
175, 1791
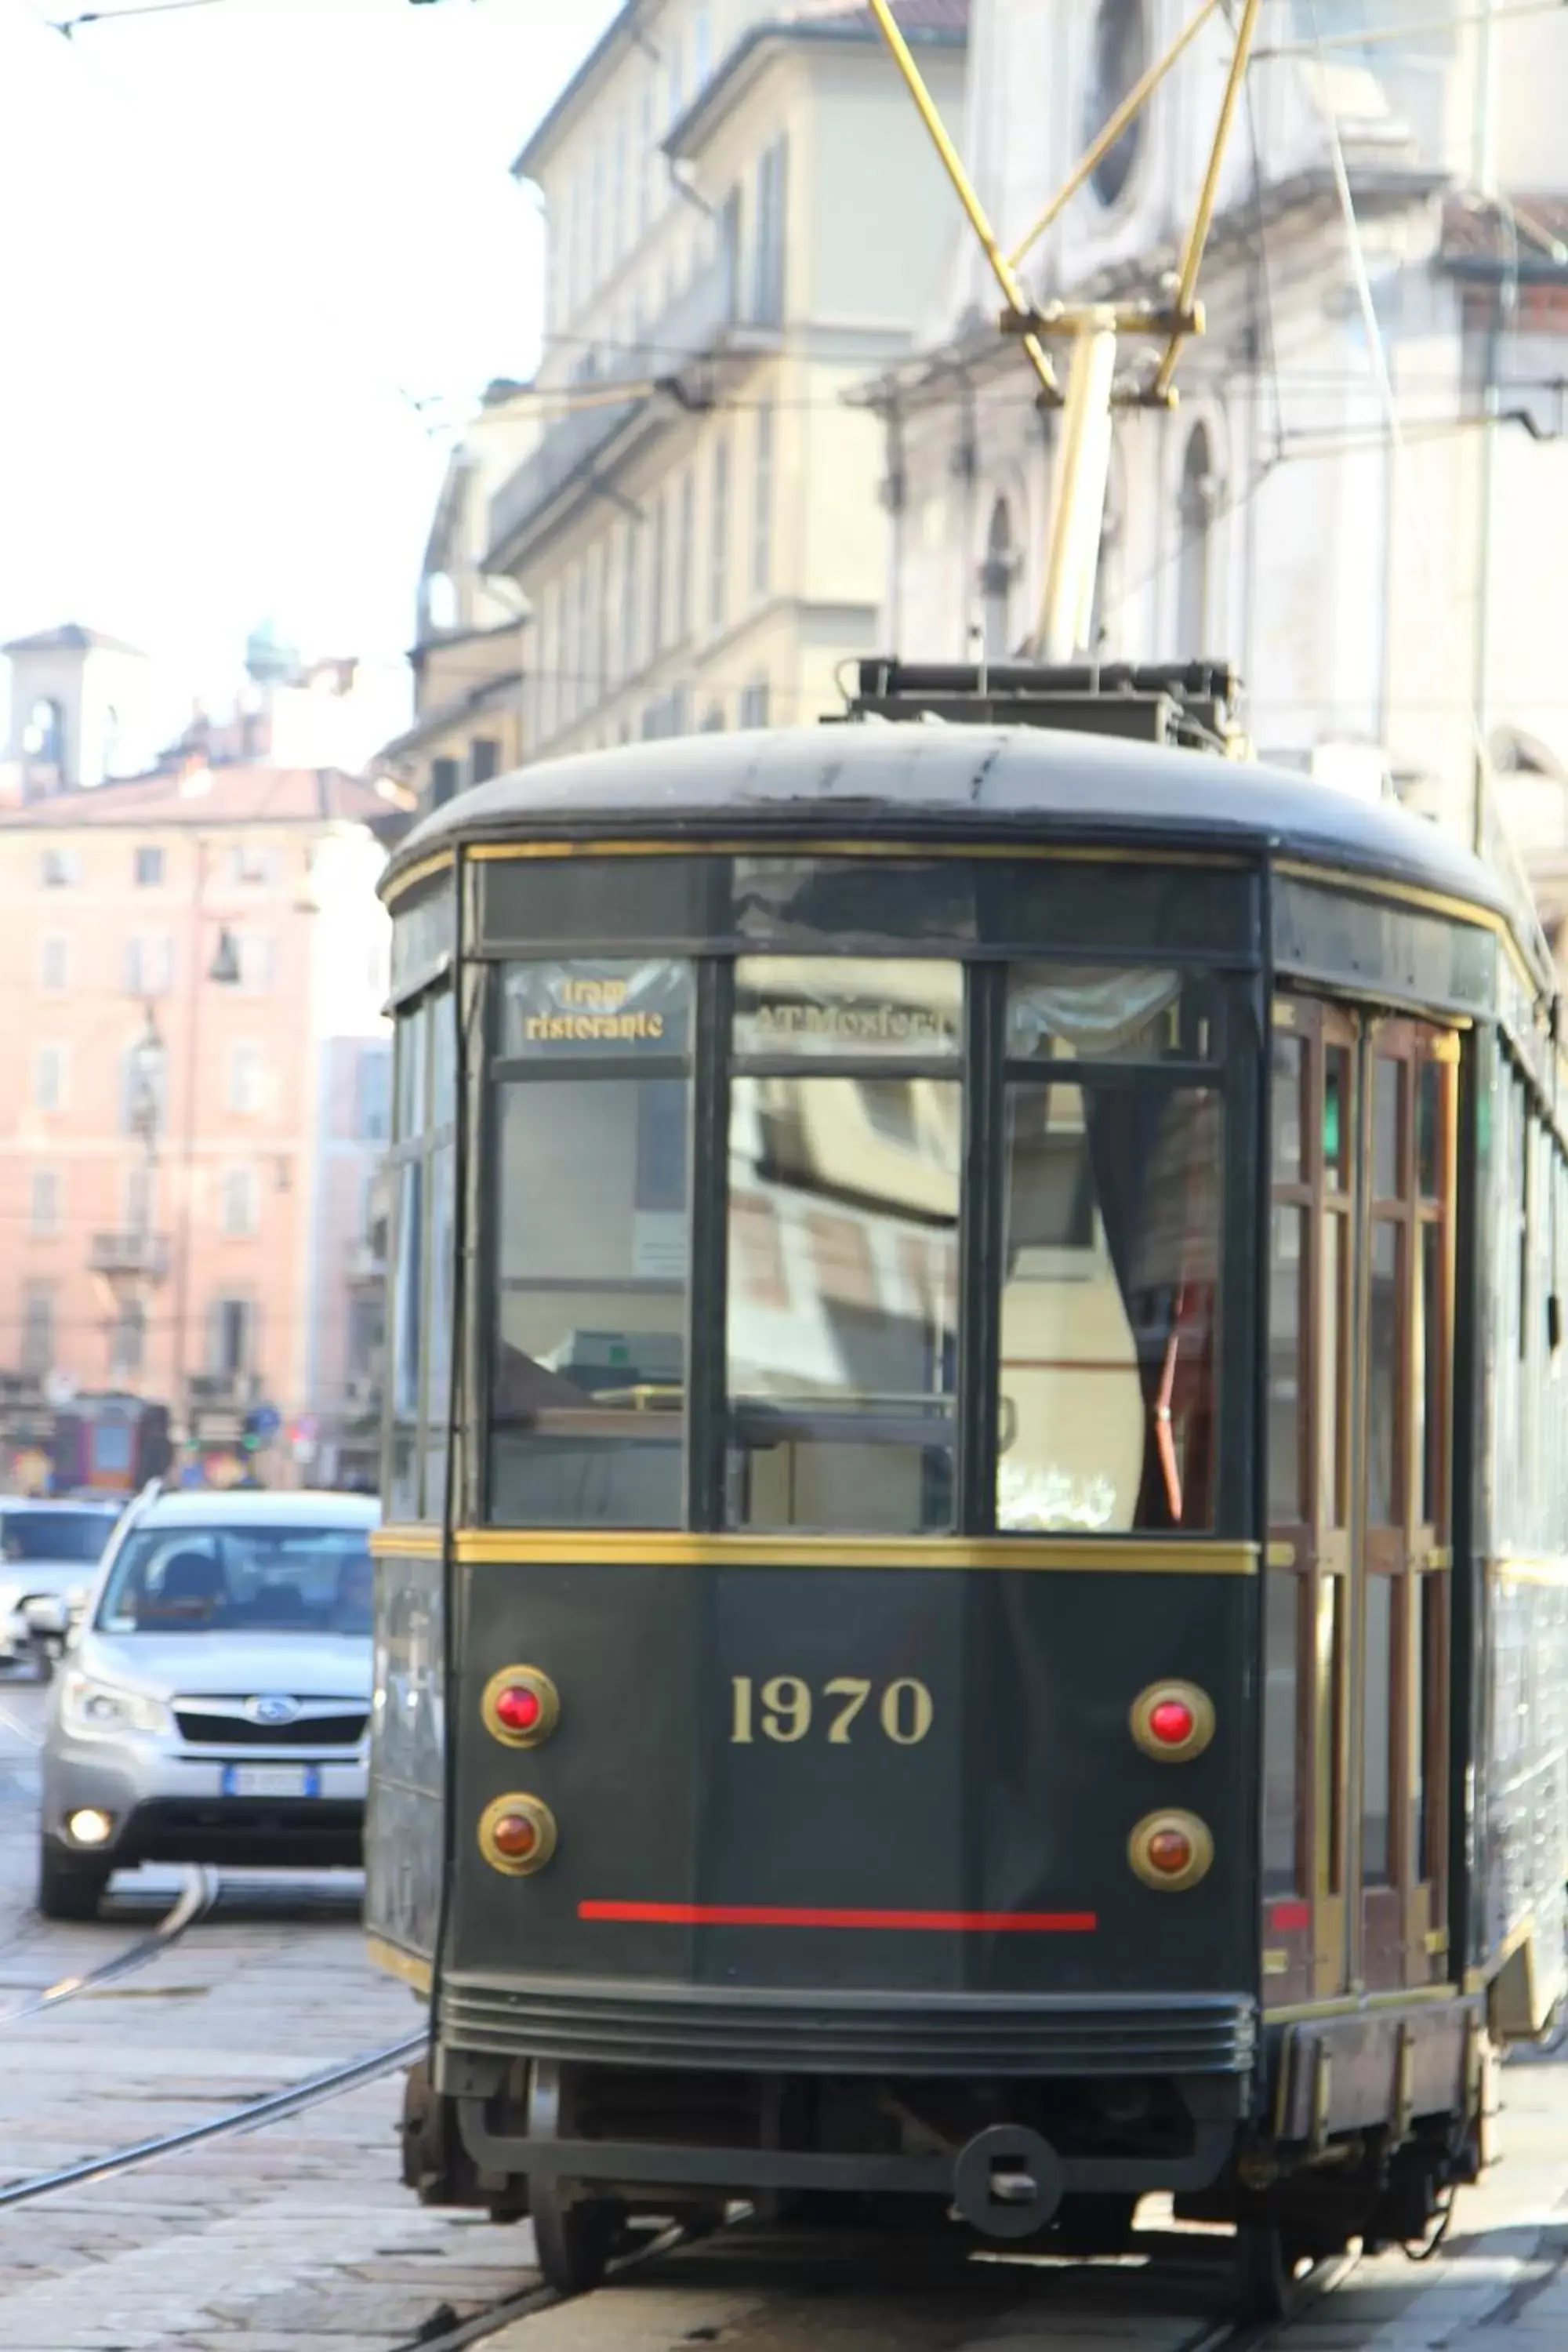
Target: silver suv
214, 1703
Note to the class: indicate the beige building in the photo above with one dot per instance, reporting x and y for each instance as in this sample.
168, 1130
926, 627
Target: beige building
467, 653
744, 217
195, 1079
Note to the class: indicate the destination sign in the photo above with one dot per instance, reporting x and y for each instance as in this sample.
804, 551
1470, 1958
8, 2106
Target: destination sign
562, 1009
850, 1006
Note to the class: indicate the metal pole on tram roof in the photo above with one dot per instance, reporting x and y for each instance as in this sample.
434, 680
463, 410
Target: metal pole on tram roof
1077, 501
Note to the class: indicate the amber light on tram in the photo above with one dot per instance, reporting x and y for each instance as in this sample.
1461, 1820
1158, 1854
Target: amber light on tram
517, 1834
1172, 1721
520, 1706
1171, 1851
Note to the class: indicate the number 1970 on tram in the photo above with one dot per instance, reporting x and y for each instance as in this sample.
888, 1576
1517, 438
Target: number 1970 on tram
972, 1613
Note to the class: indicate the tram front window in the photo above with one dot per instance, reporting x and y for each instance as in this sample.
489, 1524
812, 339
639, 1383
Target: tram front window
588, 1383
1109, 1304
846, 1133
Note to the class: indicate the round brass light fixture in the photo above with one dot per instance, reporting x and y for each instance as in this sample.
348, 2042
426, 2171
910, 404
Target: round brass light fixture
1172, 1721
1171, 1851
517, 1834
520, 1706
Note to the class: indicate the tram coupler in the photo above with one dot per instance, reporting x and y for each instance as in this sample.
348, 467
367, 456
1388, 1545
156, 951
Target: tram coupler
1008, 2182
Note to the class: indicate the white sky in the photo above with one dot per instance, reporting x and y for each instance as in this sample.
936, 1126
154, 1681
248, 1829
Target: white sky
231, 239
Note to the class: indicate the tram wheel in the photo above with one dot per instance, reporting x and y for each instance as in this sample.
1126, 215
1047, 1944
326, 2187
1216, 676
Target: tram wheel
573, 2238
1266, 2263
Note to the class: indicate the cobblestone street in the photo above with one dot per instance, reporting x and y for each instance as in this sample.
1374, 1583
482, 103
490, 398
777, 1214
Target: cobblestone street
299, 2238
294, 2239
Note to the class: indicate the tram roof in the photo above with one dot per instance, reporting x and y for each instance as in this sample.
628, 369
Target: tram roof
913, 782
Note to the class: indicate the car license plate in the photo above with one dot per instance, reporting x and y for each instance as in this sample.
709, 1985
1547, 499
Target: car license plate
271, 1781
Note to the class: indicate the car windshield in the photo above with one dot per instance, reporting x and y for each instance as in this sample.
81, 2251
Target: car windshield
240, 1580
72, 1536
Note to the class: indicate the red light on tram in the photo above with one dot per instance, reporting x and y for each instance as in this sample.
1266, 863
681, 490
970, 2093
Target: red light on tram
1168, 1850
517, 1706
520, 1706
1171, 1851
1172, 1721
515, 1836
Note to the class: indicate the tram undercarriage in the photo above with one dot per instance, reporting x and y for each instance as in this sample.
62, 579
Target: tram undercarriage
1056, 2165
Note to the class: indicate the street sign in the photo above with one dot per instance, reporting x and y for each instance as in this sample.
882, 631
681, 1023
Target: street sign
263, 1422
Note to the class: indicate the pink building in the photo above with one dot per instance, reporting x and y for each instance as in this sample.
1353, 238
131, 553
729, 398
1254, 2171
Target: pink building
194, 1098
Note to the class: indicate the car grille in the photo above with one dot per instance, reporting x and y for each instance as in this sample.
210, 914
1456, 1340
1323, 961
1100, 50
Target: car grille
237, 1731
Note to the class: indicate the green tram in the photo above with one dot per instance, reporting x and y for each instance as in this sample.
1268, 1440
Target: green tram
973, 1602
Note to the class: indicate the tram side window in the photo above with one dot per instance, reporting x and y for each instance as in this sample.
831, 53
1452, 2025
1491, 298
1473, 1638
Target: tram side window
846, 1133
591, 1122
423, 1197
1109, 1301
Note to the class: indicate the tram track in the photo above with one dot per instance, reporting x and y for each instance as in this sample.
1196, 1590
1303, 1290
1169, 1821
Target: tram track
253, 2114
195, 1902
1221, 2332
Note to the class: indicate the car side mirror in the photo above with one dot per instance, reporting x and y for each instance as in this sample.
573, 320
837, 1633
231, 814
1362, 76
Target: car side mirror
47, 1617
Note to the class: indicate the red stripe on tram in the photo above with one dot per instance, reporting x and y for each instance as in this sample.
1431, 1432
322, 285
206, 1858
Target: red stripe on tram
780, 1915
1284, 1916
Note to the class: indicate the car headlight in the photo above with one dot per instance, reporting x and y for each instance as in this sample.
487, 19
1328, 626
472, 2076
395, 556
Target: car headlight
91, 1707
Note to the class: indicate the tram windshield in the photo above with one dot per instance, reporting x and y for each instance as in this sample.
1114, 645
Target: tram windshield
893, 1249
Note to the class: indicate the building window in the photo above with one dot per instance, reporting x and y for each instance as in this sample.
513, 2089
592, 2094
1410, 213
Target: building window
442, 782
618, 191
44, 737
1120, 56
719, 535
997, 574
714, 719
656, 565
373, 1094
231, 1336
246, 1080
762, 513
37, 1329
1196, 515
484, 758
128, 1340
629, 591
250, 863
143, 1089
588, 686
149, 965
366, 1338
685, 554
601, 620
54, 963
59, 870
44, 1202
768, 245
148, 867
49, 1077
241, 1203
754, 703
257, 956
646, 158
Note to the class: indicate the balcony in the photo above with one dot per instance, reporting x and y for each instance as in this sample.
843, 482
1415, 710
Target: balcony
693, 327
130, 1257
362, 1397
366, 1265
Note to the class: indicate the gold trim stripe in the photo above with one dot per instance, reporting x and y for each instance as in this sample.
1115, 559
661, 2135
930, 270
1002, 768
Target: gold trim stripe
405, 1543
616, 1548
398, 1963
1303, 2013
843, 846
419, 872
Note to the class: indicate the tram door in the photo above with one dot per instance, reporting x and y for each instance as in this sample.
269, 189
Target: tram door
1355, 1587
